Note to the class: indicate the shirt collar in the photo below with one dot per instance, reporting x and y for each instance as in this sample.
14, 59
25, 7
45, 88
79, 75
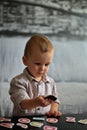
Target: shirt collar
31, 78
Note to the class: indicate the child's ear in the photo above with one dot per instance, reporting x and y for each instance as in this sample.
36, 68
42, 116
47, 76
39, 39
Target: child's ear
24, 59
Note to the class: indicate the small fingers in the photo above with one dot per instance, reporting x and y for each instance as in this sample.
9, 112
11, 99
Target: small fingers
55, 113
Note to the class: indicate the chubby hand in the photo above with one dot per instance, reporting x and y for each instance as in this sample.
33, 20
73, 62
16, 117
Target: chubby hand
44, 102
54, 113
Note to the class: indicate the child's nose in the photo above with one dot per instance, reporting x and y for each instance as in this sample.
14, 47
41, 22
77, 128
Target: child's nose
42, 67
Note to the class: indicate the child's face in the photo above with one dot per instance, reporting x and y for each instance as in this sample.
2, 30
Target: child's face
38, 63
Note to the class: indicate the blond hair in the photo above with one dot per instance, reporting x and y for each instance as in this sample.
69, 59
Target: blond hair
39, 40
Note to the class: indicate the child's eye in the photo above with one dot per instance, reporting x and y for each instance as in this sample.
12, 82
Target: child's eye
47, 64
37, 64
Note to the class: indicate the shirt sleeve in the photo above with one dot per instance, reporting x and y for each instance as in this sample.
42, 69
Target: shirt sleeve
18, 91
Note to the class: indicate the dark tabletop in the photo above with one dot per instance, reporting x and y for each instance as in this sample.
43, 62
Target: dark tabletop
61, 124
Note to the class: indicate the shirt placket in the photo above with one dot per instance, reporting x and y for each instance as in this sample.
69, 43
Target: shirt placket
35, 89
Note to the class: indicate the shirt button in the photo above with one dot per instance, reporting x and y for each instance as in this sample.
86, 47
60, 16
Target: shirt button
38, 109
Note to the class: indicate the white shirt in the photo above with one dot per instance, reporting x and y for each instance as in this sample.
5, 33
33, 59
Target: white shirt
24, 86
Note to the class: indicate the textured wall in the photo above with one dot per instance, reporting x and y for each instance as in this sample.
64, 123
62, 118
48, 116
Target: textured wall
55, 17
